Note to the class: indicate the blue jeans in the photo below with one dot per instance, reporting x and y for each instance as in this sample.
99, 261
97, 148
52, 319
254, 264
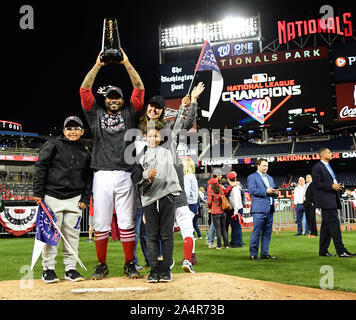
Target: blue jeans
211, 235
194, 208
262, 230
236, 231
301, 220
140, 233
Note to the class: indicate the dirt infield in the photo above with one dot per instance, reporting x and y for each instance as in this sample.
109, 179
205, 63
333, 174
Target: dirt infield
212, 286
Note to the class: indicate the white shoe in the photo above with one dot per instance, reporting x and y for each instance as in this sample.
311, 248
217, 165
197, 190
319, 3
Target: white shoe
187, 266
212, 245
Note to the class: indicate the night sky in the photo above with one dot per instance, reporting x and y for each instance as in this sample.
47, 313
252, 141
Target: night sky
42, 69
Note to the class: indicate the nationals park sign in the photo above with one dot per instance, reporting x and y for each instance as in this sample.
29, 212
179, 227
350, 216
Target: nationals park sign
338, 25
249, 60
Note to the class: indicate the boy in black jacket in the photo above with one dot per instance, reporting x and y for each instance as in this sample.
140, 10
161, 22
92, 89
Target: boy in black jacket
63, 179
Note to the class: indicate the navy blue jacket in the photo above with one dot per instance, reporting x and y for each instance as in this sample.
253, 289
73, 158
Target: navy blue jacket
324, 195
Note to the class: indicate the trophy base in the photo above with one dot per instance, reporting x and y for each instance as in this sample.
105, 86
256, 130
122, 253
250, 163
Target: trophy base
106, 58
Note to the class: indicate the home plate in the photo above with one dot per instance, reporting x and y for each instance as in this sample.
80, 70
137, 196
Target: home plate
85, 290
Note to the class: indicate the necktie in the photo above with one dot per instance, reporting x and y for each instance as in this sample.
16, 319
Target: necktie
267, 185
331, 171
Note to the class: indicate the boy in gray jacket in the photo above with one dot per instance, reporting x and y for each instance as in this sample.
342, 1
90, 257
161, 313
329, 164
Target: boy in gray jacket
158, 202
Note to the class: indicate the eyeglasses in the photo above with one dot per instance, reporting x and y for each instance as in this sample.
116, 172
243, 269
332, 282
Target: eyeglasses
73, 128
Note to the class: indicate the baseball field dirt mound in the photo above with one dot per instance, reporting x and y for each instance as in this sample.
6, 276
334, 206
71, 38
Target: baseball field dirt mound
198, 286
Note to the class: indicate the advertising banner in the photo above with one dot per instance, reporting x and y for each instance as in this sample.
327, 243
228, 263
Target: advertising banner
344, 62
234, 49
346, 101
273, 95
175, 78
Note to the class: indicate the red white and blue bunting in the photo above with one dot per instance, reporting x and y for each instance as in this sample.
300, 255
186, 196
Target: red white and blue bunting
18, 219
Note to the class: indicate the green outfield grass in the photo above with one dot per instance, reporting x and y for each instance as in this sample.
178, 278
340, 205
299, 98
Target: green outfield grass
298, 262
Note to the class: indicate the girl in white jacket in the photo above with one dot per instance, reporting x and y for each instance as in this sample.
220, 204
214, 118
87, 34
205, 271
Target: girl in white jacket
235, 199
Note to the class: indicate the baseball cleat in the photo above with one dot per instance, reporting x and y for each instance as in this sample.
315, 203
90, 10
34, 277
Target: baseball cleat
130, 270
101, 271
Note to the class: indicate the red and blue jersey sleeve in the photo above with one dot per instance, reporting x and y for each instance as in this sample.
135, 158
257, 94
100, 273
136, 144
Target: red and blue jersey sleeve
87, 98
137, 98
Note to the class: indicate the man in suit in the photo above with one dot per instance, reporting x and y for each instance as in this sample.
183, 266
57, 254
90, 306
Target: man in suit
327, 198
309, 205
261, 188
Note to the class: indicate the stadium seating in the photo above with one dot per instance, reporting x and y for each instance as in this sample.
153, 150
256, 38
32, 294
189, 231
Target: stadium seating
334, 144
250, 149
348, 179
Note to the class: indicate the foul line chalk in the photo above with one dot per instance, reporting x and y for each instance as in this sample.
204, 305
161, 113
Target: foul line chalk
85, 290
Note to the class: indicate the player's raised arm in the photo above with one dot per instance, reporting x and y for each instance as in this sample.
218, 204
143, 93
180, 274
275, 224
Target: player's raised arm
90, 77
86, 95
134, 76
138, 93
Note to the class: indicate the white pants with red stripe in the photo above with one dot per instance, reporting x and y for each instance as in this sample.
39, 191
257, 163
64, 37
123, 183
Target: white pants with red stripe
113, 190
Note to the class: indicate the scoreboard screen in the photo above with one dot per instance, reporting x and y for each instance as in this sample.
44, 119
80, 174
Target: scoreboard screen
293, 94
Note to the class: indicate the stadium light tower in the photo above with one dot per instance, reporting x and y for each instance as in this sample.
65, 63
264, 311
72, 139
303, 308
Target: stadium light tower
231, 29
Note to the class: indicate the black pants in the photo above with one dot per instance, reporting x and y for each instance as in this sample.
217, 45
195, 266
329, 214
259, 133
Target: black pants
159, 225
330, 229
219, 221
311, 220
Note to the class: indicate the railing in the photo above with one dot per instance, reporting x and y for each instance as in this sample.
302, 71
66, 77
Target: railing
347, 214
284, 217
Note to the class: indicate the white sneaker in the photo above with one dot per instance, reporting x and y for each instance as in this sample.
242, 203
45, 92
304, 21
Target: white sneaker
212, 245
187, 266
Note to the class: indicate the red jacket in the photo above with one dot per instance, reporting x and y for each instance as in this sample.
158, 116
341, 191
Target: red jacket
214, 200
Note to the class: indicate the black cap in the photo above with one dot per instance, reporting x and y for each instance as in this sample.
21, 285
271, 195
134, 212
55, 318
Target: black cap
74, 119
159, 101
110, 89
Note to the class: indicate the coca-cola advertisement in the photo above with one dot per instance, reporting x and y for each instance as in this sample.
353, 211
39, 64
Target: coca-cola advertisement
346, 101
